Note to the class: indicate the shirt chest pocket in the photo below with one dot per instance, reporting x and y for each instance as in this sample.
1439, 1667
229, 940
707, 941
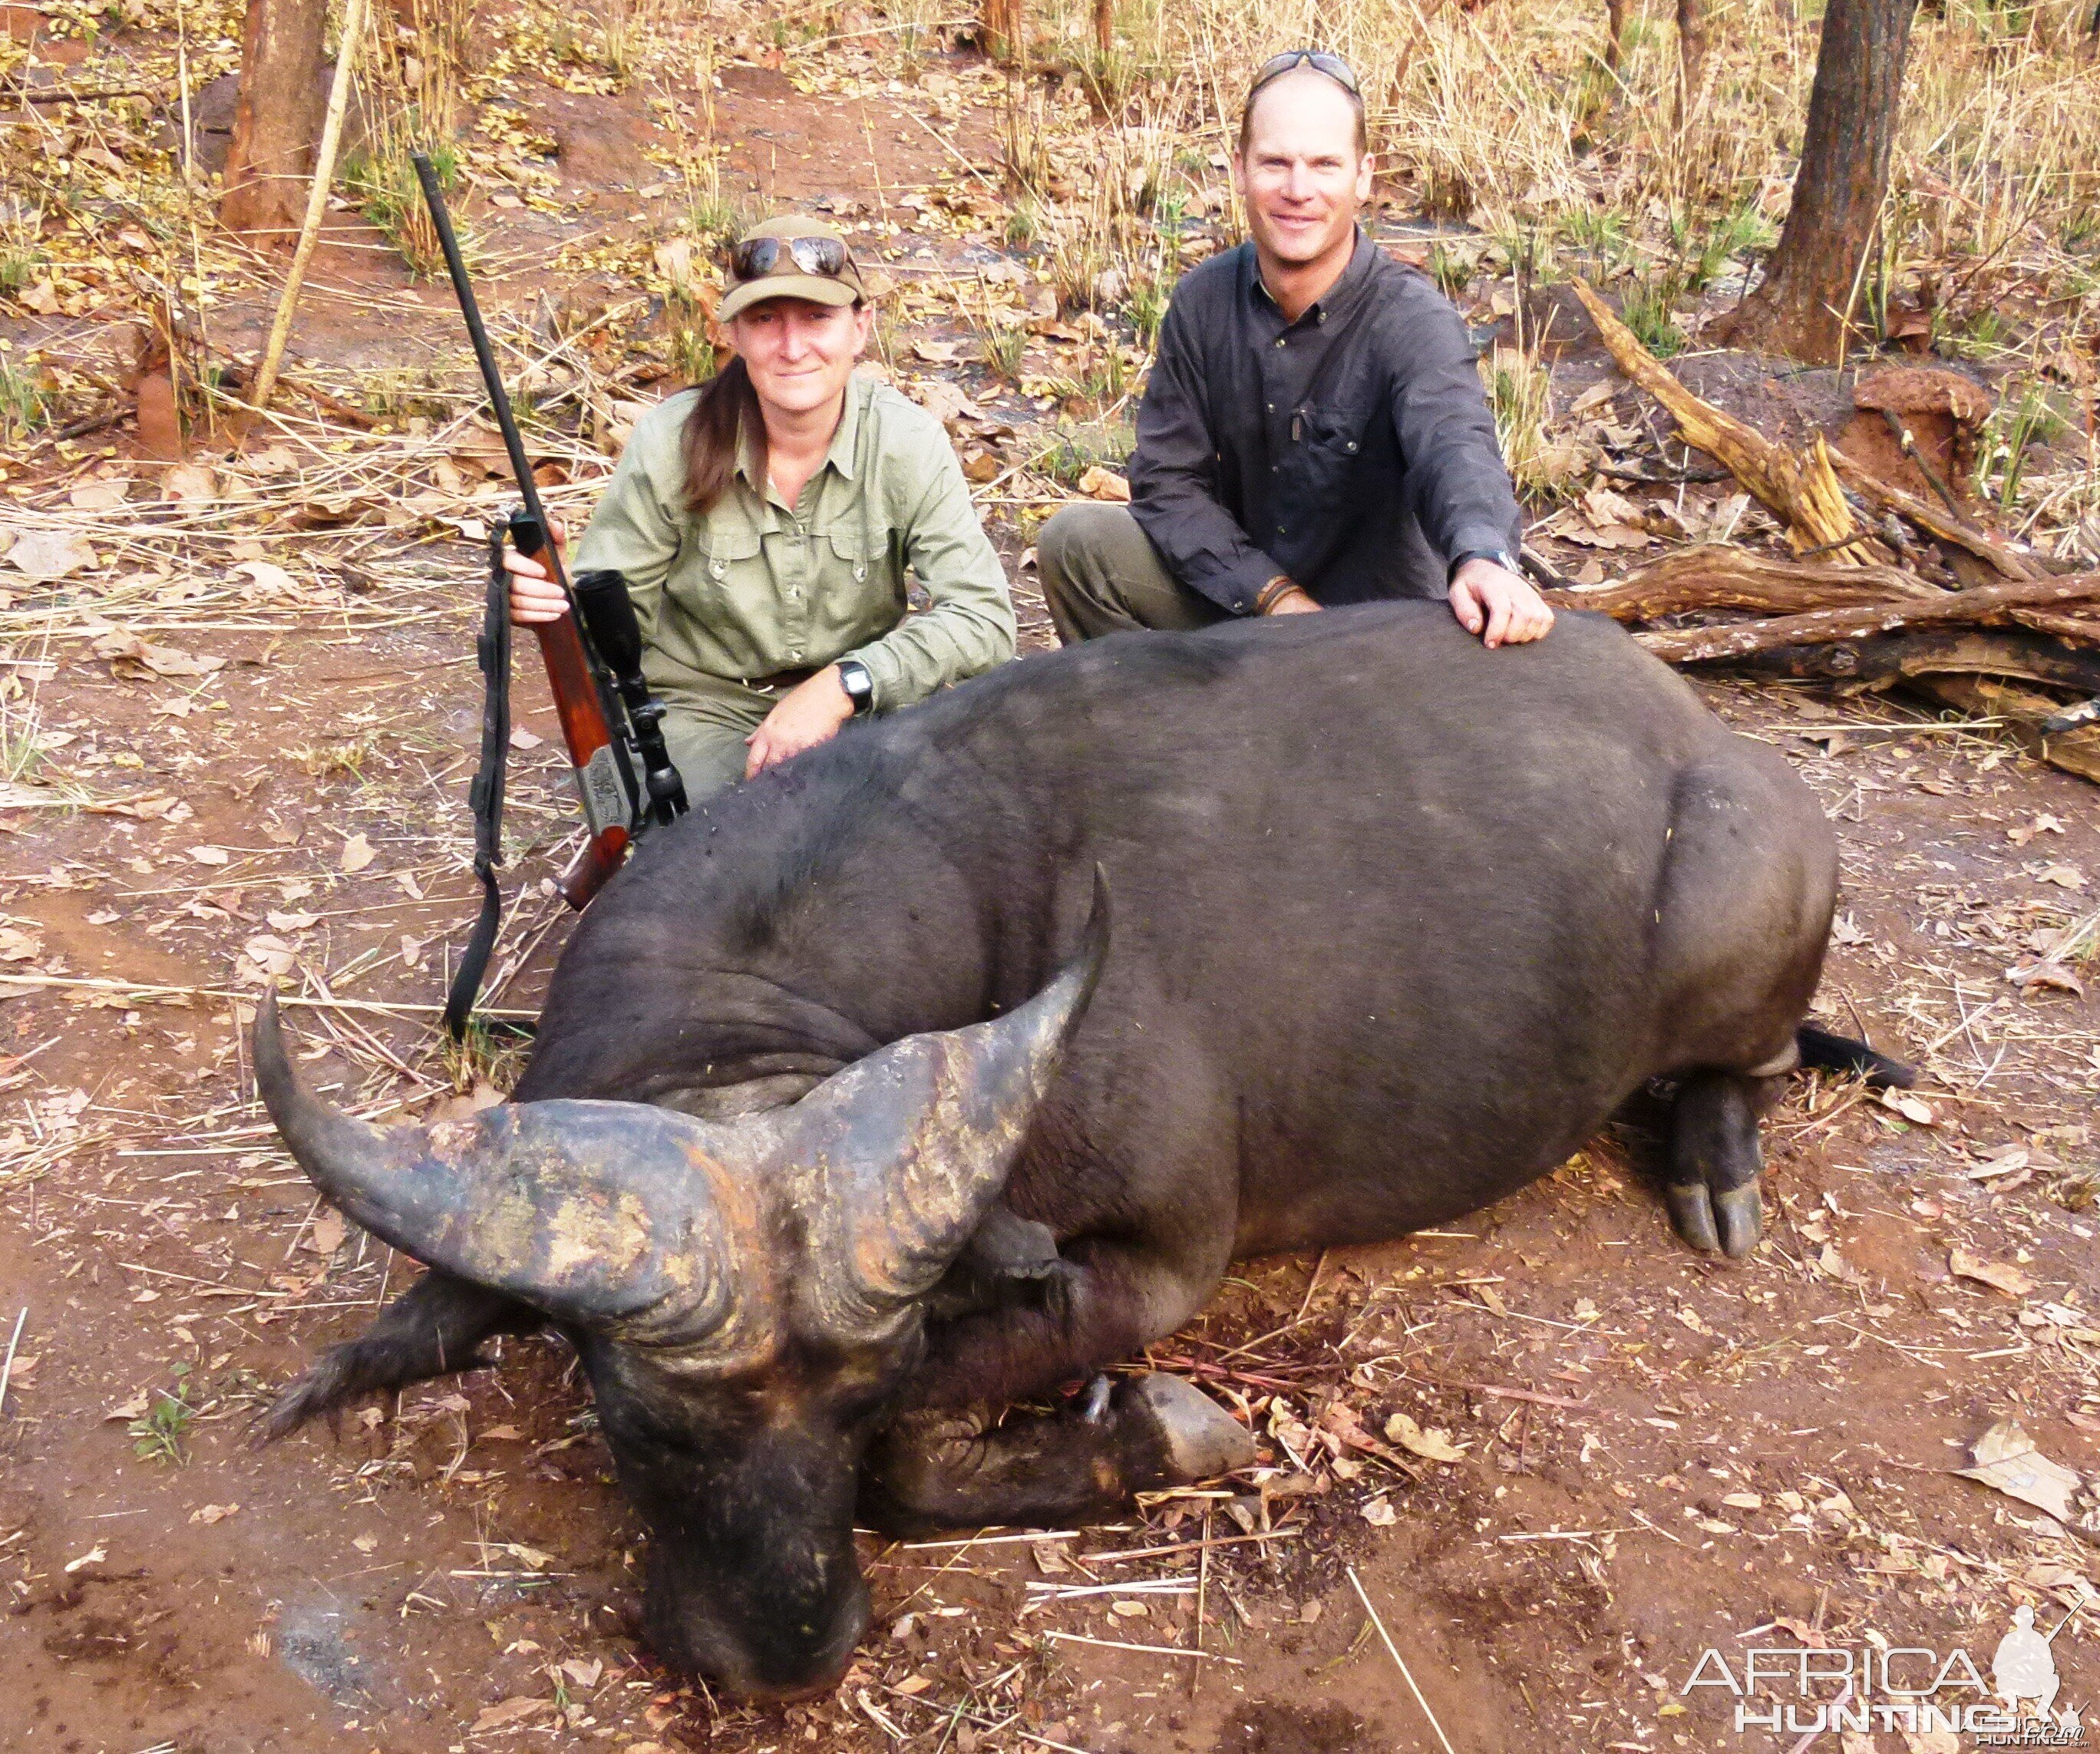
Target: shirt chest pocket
1334, 434
723, 565
849, 555
1330, 449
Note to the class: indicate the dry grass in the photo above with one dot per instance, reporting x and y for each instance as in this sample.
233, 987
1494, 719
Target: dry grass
1506, 118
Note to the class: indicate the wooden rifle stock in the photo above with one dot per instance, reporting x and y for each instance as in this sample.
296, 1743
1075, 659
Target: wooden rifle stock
605, 780
604, 783
589, 739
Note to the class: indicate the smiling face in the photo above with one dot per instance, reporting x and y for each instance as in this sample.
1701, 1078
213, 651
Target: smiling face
800, 354
1301, 171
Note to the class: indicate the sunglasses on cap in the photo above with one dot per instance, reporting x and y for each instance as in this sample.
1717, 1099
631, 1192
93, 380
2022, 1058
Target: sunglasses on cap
755, 257
1318, 59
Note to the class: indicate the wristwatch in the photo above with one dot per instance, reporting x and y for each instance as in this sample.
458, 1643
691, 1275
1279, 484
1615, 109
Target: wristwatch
858, 685
1502, 558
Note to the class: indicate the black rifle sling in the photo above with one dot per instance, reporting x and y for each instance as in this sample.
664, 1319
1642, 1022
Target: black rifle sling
492, 652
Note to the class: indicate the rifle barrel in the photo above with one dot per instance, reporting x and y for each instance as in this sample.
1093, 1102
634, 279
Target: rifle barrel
492, 380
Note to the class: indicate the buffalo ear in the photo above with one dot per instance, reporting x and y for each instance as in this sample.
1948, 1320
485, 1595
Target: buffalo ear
896, 1160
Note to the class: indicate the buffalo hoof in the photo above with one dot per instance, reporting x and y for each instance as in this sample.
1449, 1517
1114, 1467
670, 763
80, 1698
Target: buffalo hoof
1740, 1214
1727, 1223
1199, 1437
1691, 1215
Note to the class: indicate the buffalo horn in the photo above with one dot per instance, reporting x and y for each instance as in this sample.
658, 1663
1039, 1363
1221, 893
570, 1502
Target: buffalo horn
617, 1216
901, 1154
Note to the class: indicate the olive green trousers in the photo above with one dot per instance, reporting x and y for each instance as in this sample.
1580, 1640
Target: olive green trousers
1101, 575
706, 719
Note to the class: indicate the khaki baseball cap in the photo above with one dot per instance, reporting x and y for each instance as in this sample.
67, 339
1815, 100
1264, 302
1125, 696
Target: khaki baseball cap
790, 273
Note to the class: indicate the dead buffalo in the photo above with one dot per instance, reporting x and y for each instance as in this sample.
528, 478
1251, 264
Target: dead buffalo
843, 1124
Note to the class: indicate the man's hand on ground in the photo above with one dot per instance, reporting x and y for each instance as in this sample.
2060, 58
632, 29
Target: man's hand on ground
535, 598
1495, 603
807, 715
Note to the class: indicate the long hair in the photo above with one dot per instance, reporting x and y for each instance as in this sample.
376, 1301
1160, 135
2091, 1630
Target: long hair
725, 418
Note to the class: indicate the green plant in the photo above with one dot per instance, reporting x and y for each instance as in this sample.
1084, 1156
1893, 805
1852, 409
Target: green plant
625, 26
21, 743
22, 407
1986, 335
1601, 236
1701, 259
1073, 450
158, 1436
382, 181
491, 1053
1021, 223
1002, 347
1148, 309
1520, 391
2011, 433
1649, 311
713, 215
396, 392
1105, 379
347, 757
18, 262
692, 352
1451, 270
1526, 245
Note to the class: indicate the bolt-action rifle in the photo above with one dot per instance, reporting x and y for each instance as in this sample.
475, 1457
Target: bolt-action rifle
613, 728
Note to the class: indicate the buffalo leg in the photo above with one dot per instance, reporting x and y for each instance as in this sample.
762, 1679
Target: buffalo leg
1717, 1161
936, 1470
1107, 1301
433, 1328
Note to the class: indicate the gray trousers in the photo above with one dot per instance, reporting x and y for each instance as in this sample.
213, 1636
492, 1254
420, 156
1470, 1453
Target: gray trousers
1101, 575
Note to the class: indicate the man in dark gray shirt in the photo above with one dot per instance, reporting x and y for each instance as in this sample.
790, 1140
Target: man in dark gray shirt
1314, 431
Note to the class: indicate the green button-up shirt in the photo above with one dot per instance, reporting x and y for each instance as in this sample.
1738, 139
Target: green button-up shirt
755, 586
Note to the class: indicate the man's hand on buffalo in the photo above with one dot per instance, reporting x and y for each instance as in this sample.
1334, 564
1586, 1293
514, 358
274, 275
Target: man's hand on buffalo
806, 715
1493, 602
535, 598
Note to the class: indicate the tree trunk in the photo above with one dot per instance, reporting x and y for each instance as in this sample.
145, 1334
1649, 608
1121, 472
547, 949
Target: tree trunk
1104, 27
1004, 24
275, 118
1691, 55
1615, 26
1803, 305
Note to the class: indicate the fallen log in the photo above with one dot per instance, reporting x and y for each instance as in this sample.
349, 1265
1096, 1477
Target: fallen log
1706, 645
2024, 712
1877, 660
1715, 576
1801, 492
1994, 551
2083, 629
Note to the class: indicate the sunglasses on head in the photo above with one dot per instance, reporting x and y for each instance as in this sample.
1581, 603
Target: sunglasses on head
1318, 59
755, 257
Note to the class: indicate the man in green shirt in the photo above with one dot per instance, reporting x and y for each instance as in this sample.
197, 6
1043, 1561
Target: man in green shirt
766, 522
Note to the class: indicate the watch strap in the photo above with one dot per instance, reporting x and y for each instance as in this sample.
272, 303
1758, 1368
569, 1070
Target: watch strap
859, 686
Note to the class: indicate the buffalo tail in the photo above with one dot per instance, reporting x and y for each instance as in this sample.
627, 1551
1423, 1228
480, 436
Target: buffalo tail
1825, 1051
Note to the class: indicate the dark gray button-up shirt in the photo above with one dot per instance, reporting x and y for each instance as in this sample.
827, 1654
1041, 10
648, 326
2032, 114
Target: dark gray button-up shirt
1352, 450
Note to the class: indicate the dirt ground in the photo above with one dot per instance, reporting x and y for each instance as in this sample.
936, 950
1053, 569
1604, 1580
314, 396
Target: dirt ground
252, 743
